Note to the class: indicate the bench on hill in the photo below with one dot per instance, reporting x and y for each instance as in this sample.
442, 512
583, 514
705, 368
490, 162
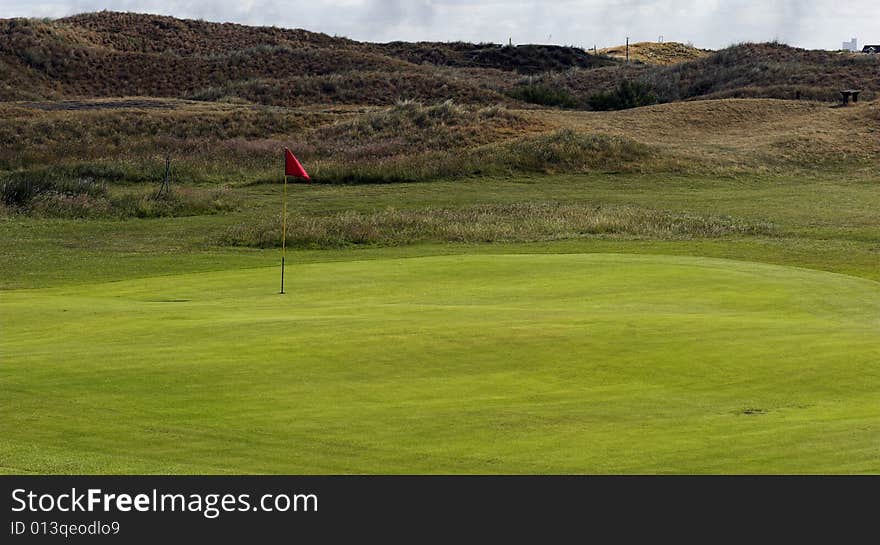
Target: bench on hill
848, 94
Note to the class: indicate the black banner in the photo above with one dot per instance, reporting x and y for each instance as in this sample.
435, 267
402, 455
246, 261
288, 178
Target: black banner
50, 509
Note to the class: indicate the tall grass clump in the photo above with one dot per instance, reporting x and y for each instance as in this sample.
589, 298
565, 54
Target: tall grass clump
19, 189
561, 151
483, 223
414, 121
181, 201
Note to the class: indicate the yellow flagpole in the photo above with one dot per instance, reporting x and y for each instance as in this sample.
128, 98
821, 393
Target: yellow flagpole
283, 230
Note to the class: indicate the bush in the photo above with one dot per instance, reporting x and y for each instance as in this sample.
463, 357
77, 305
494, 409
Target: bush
627, 95
545, 96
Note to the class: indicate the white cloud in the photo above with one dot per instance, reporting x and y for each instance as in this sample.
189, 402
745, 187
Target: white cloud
707, 23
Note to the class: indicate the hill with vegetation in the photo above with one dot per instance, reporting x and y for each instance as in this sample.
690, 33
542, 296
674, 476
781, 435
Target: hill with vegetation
111, 54
105, 97
121, 54
662, 53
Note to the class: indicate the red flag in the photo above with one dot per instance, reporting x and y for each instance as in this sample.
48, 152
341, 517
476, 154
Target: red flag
292, 167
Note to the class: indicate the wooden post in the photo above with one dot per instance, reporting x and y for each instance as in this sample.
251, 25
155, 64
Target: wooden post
627, 50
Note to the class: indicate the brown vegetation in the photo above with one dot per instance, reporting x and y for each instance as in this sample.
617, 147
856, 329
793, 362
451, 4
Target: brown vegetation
222, 101
121, 54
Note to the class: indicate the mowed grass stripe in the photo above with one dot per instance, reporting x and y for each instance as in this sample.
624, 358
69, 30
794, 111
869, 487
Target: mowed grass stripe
463, 364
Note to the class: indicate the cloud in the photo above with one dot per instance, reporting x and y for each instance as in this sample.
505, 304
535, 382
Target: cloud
707, 23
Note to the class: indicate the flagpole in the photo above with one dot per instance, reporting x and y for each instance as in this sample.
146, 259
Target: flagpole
283, 230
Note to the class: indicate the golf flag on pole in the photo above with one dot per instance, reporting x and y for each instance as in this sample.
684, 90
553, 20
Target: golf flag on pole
292, 166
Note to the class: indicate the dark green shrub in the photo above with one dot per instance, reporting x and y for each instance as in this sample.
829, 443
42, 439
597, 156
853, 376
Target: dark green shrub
628, 95
545, 96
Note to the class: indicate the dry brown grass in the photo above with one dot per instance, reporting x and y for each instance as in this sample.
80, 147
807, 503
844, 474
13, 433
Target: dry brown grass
135, 128
742, 134
121, 54
126, 139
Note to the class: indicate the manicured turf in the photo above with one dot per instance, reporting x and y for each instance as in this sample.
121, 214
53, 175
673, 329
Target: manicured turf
463, 364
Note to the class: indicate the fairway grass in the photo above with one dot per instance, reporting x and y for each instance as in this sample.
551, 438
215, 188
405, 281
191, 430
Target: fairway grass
594, 363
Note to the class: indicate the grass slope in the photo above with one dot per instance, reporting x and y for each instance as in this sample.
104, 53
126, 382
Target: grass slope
468, 363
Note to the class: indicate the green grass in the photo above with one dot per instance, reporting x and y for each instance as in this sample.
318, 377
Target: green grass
465, 364
825, 222
142, 345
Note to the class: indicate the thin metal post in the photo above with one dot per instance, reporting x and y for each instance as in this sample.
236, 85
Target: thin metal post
283, 231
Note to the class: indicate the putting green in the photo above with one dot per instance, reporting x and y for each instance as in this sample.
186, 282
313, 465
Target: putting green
455, 364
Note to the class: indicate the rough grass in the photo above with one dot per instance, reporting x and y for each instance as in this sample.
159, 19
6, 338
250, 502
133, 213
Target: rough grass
524, 222
557, 152
526, 59
110, 54
36, 134
125, 141
733, 136
356, 87
44, 193
410, 126
21, 188
179, 202
768, 70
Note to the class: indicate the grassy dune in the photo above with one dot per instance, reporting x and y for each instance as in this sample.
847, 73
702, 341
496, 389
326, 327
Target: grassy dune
656, 53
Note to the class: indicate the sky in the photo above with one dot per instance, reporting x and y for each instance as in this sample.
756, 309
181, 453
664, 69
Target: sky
713, 24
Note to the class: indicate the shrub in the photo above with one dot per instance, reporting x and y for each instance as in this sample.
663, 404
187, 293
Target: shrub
545, 96
628, 95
